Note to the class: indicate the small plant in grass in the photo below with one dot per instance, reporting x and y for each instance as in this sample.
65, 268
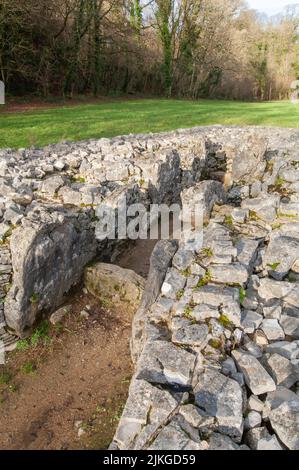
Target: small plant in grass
229, 221
179, 294
273, 266
225, 322
207, 252
34, 299
188, 312
253, 216
186, 272
28, 368
79, 179
242, 295
215, 343
205, 280
22, 345
13, 388
105, 303
286, 216
41, 334
276, 226
5, 377
279, 183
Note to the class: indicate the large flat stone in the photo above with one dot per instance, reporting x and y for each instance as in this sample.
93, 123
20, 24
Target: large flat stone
285, 422
287, 291
256, 377
222, 398
164, 363
280, 369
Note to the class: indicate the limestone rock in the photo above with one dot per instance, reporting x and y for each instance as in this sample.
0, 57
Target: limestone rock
272, 330
114, 285
188, 334
285, 422
281, 369
162, 362
221, 397
256, 377
281, 254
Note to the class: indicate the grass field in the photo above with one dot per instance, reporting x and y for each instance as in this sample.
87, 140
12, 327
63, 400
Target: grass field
106, 119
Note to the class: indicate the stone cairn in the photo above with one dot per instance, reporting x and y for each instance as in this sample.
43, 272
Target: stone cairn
215, 341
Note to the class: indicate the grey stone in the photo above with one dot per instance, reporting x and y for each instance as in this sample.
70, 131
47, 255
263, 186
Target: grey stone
250, 321
261, 439
252, 420
227, 298
281, 370
204, 312
172, 437
274, 311
255, 404
221, 398
272, 330
51, 186
198, 418
162, 362
285, 349
59, 315
281, 254
160, 261
183, 259
59, 165
275, 399
247, 251
204, 195
145, 402
285, 422
174, 282
188, 334
256, 377
233, 274
219, 442
264, 208
287, 291
58, 251
240, 215
248, 161
290, 326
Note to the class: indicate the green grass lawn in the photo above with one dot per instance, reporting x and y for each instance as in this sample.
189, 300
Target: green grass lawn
46, 126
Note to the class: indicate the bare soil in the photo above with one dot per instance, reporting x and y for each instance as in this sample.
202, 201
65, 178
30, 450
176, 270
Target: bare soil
75, 378
20, 105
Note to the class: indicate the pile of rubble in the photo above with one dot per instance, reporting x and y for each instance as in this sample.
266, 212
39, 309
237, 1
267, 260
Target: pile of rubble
216, 339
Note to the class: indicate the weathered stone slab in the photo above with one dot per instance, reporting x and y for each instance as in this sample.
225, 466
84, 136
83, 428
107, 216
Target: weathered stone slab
188, 334
280, 369
162, 362
287, 291
229, 274
256, 377
285, 422
221, 398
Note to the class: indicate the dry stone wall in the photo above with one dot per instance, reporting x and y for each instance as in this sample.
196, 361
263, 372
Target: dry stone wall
215, 341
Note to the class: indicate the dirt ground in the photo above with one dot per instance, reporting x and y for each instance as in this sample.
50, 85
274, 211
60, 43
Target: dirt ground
20, 105
74, 381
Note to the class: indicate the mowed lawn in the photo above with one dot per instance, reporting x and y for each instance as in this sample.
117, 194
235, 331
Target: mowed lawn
106, 119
